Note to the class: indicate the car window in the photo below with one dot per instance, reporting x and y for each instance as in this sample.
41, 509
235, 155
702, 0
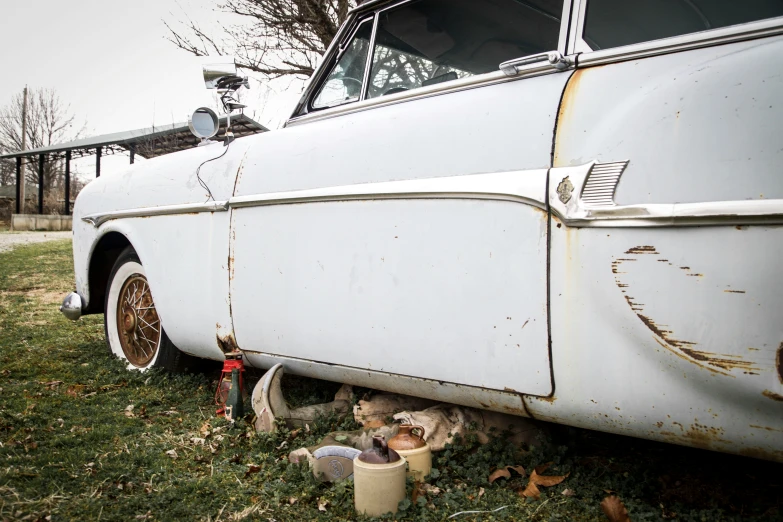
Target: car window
613, 23
433, 41
344, 83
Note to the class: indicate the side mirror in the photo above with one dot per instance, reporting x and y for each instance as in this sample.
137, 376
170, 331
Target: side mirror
204, 123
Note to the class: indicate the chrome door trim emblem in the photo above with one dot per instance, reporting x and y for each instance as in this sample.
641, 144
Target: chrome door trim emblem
595, 206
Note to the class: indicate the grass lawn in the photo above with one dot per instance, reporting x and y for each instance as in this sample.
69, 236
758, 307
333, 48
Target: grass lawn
82, 438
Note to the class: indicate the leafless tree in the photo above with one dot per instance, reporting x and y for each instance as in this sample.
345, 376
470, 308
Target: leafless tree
275, 38
49, 121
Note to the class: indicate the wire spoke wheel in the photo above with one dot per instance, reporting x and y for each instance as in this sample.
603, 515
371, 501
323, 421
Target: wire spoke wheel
137, 321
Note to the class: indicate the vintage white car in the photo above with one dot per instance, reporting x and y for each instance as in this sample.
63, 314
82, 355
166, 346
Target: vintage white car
565, 210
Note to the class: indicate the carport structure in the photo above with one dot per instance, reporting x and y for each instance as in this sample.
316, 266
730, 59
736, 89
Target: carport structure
147, 143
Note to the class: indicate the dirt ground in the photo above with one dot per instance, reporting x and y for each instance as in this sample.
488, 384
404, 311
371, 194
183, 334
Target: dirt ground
10, 240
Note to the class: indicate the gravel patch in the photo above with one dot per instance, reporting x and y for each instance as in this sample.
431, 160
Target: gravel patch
10, 240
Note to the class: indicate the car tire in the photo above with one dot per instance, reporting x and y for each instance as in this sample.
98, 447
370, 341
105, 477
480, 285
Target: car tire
133, 328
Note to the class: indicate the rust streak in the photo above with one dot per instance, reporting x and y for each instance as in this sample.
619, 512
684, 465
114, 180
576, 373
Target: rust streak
717, 363
772, 395
564, 123
644, 249
764, 428
779, 362
723, 361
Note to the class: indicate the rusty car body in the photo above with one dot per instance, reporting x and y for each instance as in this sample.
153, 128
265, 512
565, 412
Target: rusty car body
566, 210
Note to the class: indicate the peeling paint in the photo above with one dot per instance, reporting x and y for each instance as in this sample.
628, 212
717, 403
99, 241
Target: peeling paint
717, 363
227, 343
645, 249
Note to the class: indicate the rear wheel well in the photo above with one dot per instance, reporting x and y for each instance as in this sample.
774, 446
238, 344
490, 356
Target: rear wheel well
103, 257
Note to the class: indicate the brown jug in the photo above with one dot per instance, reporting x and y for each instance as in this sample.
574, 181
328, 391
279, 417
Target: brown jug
408, 438
410, 444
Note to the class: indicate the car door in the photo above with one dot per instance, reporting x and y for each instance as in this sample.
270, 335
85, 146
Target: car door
399, 222
664, 271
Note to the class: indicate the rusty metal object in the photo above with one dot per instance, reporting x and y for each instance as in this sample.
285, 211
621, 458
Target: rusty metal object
227, 343
139, 325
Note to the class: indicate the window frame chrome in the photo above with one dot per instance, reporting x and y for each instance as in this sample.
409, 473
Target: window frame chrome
707, 38
356, 17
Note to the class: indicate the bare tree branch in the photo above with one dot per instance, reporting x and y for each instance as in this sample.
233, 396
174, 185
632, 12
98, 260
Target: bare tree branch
276, 37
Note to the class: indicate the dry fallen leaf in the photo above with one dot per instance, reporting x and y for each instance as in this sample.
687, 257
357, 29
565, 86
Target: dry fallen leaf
505, 473
568, 492
614, 509
205, 429
322, 504
172, 453
536, 480
252, 468
129, 410
293, 500
481, 492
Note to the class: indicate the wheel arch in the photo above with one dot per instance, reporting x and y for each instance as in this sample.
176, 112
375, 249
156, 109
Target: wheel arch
102, 258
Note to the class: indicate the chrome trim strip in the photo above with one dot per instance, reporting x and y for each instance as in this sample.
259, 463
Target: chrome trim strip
723, 35
522, 186
470, 82
168, 210
565, 21
370, 55
578, 213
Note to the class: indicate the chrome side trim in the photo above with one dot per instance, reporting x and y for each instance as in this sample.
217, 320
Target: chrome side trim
168, 210
525, 186
734, 33
576, 212
471, 82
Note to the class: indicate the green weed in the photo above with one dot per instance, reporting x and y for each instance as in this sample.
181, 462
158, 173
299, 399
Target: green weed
82, 438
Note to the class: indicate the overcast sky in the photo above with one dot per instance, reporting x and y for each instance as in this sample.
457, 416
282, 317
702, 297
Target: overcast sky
111, 61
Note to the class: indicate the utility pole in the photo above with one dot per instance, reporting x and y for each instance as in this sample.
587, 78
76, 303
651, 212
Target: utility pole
23, 182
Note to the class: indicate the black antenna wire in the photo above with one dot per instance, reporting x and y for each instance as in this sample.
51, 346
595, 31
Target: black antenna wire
201, 181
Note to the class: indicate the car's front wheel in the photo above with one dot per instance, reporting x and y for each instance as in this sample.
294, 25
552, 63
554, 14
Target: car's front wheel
133, 329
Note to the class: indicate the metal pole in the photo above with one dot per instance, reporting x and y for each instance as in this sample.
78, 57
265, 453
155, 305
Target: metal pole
19, 180
40, 182
67, 182
132, 154
22, 194
98, 162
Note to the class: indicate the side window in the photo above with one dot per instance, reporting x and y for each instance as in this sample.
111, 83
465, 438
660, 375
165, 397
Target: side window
613, 23
433, 41
344, 83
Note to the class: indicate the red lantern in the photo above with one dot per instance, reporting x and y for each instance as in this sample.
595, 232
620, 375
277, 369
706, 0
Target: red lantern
233, 360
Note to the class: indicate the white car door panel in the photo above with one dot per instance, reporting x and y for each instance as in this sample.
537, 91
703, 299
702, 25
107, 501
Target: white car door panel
447, 290
329, 281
